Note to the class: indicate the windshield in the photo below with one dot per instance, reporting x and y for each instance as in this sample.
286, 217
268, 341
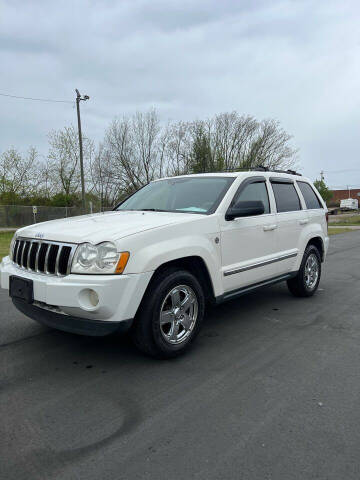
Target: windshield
185, 194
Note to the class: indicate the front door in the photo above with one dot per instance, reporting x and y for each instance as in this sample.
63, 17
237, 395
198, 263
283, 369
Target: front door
248, 243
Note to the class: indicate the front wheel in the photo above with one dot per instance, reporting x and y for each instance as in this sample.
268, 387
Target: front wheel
170, 315
307, 280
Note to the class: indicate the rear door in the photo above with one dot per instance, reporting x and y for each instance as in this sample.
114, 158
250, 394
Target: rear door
290, 220
248, 243
315, 208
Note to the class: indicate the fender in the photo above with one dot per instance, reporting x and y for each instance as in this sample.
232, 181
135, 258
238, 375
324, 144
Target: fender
313, 230
149, 250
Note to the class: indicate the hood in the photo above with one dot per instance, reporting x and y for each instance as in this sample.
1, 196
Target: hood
99, 227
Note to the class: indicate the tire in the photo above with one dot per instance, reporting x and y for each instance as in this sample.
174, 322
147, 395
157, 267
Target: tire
179, 326
306, 283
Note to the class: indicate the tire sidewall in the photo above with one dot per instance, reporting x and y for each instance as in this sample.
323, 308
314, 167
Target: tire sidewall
310, 250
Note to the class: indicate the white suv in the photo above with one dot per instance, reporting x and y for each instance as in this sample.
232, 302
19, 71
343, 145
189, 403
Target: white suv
152, 263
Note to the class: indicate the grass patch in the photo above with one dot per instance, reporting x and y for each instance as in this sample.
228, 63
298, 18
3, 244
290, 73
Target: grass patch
5, 239
345, 221
335, 231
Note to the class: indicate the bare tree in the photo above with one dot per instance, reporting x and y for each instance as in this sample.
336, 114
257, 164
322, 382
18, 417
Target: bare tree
46, 187
136, 150
118, 144
178, 149
103, 178
64, 158
139, 149
19, 172
271, 147
145, 141
231, 141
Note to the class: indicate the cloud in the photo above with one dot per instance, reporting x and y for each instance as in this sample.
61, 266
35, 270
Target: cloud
293, 61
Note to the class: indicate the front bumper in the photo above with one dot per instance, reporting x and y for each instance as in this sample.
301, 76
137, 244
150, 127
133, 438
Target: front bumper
68, 323
119, 296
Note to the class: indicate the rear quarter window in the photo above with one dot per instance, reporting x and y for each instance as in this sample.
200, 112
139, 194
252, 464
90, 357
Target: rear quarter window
310, 197
286, 197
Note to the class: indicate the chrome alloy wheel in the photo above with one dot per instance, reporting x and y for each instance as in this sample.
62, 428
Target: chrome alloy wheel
178, 314
311, 271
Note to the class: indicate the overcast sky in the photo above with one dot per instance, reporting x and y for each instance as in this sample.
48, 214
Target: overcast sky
296, 61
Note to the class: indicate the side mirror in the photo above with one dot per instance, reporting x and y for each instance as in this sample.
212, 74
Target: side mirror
245, 209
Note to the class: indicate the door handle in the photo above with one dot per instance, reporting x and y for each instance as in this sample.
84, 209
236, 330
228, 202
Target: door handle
268, 228
304, 222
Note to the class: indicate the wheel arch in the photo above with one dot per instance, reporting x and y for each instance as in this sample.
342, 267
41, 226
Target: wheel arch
319, 244
193, 264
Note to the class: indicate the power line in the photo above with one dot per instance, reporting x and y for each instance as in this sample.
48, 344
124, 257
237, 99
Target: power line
342, 171
36, 99
345, 187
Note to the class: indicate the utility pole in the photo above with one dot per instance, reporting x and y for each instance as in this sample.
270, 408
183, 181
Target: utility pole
78, 100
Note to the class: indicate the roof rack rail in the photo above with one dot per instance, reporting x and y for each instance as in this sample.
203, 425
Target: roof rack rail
260, 168
291, 172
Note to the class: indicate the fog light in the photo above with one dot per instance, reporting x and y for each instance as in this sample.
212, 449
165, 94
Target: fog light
89, 299
93, 297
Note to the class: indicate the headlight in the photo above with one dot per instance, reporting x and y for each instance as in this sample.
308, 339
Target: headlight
102, 258
12, 243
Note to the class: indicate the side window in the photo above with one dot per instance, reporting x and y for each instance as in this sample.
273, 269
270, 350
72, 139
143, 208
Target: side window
310, 197
287, 199
254, 191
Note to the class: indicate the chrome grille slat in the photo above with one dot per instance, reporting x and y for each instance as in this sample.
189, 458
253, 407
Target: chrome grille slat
25, 249
47, 258
22, 255
57, 260
72, 253
32, 258
14, 252
42, 255
28, 255
19, 251
37, 258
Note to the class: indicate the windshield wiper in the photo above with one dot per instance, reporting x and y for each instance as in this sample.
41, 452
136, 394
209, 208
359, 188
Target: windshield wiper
151, 210
140, 210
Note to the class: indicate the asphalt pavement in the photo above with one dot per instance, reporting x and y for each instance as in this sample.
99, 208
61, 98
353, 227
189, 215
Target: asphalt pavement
271, 390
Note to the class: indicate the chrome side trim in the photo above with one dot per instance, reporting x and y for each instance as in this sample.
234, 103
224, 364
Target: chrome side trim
259, 264
242, 291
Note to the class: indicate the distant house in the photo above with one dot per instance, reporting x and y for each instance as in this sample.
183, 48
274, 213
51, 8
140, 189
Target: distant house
341, 194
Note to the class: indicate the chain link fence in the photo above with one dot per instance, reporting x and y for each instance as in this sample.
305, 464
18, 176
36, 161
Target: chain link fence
14, 216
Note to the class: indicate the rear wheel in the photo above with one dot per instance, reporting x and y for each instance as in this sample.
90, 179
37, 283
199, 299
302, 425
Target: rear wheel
307, 280
170, 315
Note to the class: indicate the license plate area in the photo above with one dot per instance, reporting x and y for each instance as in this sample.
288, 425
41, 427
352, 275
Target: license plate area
21, 288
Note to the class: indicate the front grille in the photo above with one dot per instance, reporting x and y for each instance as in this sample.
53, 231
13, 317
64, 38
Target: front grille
51, 258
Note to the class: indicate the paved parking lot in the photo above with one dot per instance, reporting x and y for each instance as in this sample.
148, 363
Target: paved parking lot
270, 391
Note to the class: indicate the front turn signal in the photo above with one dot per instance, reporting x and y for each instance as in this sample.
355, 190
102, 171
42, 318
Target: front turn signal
120, 267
